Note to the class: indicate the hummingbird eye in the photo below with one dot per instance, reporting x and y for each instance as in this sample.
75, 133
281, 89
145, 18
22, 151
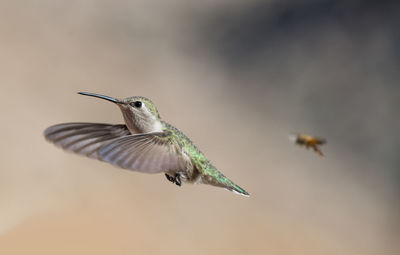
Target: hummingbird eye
137, 104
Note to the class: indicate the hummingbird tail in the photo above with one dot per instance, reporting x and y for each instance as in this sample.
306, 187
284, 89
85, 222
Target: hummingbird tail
238, 190
212, 176
220, 180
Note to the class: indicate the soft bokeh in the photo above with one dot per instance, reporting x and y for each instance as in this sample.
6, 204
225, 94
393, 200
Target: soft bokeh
235, 76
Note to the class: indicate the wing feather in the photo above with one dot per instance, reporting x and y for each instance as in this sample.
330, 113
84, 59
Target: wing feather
84, 138
150, 152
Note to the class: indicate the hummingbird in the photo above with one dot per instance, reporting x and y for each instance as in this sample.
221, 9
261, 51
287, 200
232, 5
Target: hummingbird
145, 143
308, 141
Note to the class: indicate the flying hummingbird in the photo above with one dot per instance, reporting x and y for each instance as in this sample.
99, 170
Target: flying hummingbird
145, 144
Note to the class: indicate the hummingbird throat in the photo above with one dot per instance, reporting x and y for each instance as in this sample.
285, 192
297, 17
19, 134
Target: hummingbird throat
141, 123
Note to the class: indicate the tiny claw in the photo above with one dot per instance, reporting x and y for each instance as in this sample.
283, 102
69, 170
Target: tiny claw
178, 180
170, 178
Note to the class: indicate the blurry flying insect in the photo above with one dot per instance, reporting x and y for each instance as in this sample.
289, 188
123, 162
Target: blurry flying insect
308, 141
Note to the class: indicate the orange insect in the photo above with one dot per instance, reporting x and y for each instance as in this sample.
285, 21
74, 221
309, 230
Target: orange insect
308, 141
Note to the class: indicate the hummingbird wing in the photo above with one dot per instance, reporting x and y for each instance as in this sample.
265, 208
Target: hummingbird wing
148, 152
84, 138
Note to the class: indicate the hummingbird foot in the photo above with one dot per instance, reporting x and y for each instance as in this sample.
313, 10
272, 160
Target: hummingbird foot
170, 178
176, 179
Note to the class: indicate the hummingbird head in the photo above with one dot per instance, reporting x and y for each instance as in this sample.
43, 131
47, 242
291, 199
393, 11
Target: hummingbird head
140, 114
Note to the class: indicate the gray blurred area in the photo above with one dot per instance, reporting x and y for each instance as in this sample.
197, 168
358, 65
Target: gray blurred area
235, 76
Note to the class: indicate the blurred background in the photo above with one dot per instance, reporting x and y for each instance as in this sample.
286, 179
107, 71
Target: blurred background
237, 77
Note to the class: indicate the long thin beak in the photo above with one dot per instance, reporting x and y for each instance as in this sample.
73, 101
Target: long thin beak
111, 99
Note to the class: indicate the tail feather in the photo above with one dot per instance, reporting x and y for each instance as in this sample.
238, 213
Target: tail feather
238, 190
220, 180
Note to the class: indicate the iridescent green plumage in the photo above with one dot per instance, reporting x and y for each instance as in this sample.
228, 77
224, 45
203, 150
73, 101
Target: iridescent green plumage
208, 172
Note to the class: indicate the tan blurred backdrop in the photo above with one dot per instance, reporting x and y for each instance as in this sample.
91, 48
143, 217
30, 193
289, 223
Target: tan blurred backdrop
235, 77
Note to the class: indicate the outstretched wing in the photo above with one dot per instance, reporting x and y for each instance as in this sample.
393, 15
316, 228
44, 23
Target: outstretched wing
148, 152
84, 138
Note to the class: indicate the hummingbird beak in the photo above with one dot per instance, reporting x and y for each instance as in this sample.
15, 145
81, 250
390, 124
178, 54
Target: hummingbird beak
111, 99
